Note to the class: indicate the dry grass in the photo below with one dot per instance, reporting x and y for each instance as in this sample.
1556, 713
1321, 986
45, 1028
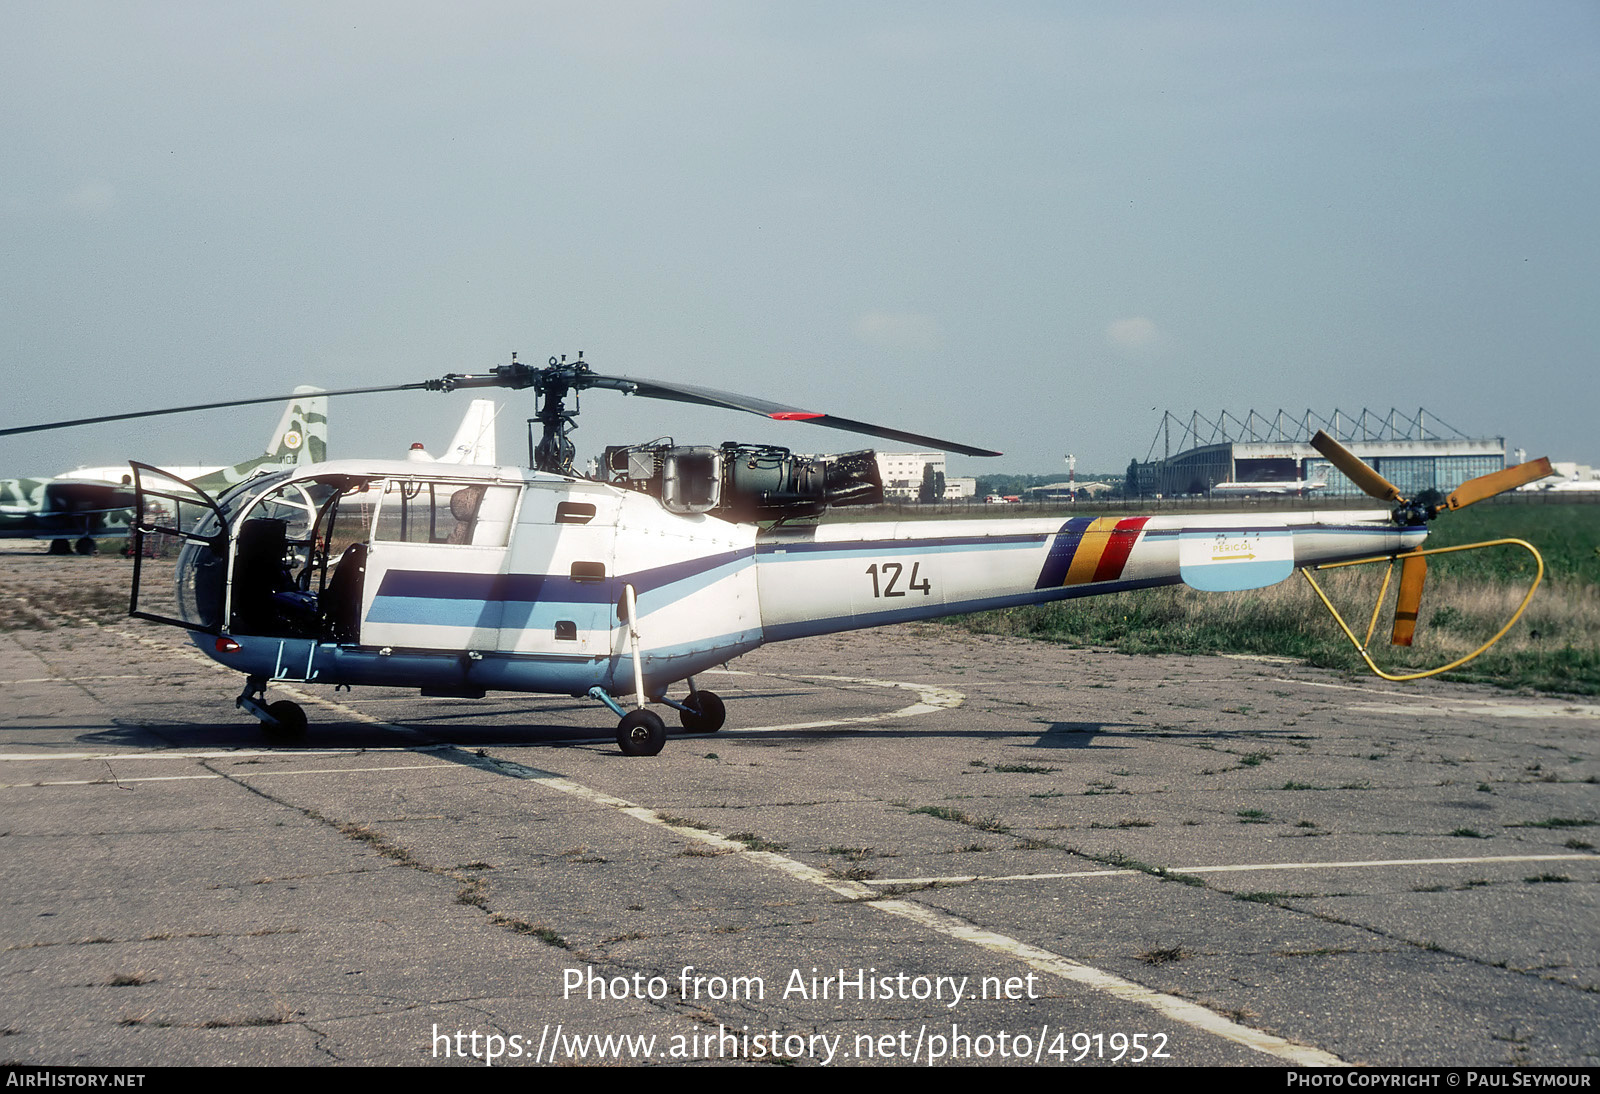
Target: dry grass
1554, 646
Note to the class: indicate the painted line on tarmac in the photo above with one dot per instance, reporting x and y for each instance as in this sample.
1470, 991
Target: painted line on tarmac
221, 754
967, 879
232, 776
930, 698
1412, 703
74, 679
1483, 708
1169, 1006
1392, 692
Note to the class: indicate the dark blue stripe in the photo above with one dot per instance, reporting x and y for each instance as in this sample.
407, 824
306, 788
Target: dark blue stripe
509, 588
425, 585
661, 576
1065, 545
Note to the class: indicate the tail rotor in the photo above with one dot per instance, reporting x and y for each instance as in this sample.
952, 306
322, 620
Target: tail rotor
1414, 564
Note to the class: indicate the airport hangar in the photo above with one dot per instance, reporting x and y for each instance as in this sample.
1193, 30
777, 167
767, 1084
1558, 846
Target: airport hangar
1416, 452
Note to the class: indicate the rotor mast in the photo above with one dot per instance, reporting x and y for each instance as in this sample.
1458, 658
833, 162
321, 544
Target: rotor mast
554, 450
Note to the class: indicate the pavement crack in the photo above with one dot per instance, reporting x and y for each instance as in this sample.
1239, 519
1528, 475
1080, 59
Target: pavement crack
472, 889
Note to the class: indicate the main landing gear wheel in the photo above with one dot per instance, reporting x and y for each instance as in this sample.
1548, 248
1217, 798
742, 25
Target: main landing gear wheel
85, 546
291, 721
641, 733
709, 715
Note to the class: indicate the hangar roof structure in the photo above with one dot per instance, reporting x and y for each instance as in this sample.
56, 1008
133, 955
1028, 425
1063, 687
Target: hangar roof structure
1416, 451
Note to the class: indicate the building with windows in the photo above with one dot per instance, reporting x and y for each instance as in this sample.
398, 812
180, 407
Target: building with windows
1272, 454
903, 473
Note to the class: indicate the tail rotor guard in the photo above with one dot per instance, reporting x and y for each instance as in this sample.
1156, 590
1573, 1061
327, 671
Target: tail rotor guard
1408, 599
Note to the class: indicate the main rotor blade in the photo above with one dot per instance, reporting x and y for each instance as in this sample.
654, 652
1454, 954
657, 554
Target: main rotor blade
1370, 482
202, 406
1498, 482
728, 400
1408, 601
517, 376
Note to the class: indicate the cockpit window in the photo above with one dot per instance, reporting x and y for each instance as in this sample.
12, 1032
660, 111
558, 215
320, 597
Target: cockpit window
235, 498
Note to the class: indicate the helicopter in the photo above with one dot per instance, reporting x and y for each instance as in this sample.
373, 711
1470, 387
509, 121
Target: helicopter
458, 580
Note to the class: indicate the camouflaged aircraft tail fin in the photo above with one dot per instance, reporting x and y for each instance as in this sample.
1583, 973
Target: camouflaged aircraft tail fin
302, 433
300, 438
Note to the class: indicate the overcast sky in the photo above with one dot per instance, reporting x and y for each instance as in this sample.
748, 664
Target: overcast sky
1027, 226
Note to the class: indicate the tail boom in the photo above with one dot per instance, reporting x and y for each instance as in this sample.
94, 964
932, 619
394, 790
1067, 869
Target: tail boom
844, 576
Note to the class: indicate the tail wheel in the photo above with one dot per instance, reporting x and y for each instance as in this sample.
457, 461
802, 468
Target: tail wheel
291, 722
641, 733
708, 715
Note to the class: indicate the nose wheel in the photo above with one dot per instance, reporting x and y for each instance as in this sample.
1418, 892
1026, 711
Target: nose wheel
641, 733
291, 721
281, 721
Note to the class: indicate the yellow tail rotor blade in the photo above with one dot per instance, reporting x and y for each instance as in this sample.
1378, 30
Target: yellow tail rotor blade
1408, 601
1498, 482
1370, 482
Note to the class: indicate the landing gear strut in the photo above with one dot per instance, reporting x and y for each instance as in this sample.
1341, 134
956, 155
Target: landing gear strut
641, 732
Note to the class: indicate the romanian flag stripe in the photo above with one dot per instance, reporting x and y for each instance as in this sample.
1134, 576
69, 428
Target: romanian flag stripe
1120, 547
1088, 549
1086, 559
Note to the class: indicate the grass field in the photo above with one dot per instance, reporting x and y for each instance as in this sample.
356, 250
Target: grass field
1554, 647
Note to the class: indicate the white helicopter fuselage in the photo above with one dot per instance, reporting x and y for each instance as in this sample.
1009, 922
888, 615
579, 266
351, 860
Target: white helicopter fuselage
532, 595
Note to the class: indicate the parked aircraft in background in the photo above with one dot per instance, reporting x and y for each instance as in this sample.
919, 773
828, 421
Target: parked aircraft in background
301, 436
75, 509
1573, 486
1302, 487
1568, 477
473, 442
1248, 489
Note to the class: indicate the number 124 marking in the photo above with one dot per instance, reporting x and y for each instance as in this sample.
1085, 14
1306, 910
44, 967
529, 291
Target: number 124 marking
891, 573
